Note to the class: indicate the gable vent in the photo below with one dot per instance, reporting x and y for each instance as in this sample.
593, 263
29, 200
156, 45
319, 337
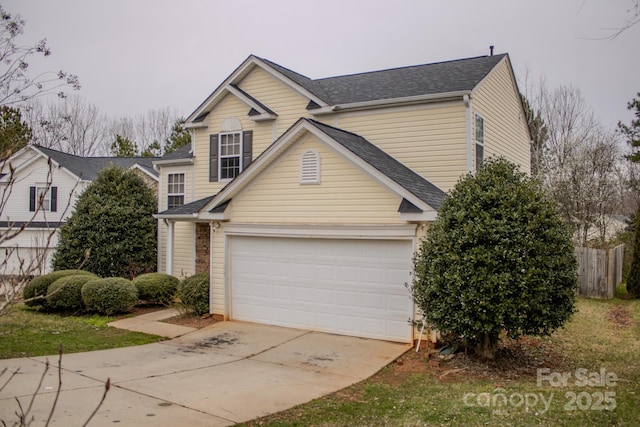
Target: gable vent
310, 167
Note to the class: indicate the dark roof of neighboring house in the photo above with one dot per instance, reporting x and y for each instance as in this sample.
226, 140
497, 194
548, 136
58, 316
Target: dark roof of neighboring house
386, 164
14, 225
417, 80
87, 168
183, 152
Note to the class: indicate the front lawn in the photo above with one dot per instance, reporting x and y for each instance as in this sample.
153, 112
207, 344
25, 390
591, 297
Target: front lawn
26, 332
577, 389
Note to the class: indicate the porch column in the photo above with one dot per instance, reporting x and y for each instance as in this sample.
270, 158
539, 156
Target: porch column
170, 231
213, 226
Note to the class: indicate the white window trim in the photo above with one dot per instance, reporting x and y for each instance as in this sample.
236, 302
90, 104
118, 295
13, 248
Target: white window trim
310, 163
220, 156
184, 188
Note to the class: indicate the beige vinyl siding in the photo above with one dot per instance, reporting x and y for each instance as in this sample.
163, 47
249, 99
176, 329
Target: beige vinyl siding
345, 195
279, 98
430, 139
229, 106
184, 249
184, 246
497, 100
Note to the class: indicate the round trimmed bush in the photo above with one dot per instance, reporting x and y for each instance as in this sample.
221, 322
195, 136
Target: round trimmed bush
35, 291
65, 293
109, 296
194, 293
156, 288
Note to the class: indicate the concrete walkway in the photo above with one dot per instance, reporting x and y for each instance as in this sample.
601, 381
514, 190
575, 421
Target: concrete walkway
150, 323
220, 375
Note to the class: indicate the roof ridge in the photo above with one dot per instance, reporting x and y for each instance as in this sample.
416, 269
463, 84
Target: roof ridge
404, 67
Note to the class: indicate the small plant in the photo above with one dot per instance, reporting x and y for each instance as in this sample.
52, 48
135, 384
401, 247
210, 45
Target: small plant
65, 293
194, 293
156, 288
35, 292
109, 296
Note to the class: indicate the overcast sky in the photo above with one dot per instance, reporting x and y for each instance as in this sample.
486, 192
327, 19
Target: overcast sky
135, 55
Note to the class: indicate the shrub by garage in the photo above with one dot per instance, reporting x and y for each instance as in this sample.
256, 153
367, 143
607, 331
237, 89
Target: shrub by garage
35, 292
156, 288
194, 293
109, 296
65, 294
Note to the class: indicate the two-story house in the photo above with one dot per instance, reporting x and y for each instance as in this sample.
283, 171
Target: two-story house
38, 191
305, 199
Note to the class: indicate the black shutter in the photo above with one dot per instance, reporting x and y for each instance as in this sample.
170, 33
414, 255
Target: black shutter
54, 199
213, 158
32, 199
247, 148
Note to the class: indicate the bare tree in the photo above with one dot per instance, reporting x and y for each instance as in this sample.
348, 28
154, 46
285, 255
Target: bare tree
149, 132
72, 125
579, 161
16, 84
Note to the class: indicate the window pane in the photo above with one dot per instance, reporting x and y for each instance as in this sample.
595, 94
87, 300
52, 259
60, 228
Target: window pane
229, 167
175, 201
479, 155
479, 129
43, 198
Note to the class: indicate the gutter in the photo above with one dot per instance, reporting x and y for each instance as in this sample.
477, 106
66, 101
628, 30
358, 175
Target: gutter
418, 99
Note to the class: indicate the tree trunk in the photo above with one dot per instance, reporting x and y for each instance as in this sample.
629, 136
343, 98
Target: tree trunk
487, 346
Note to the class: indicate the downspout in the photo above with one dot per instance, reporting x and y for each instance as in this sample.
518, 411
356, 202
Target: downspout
467, 106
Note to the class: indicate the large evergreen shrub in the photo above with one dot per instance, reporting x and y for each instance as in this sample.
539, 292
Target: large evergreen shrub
194, 293
109, 296
156, 288
633, 279
113, 224
497, 258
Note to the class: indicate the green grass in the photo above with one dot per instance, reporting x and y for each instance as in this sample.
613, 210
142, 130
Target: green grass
26, 332
601, 335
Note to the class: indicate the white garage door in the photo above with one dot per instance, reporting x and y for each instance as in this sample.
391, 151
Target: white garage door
349, 287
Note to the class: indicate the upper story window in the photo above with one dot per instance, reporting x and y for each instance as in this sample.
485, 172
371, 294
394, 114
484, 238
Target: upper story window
43, 198
310, 167
175, 190
479, 132
230, 151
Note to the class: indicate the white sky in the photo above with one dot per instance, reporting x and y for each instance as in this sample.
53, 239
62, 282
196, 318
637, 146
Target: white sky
135, 55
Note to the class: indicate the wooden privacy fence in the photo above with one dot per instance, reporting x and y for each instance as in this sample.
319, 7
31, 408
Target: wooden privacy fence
599, 271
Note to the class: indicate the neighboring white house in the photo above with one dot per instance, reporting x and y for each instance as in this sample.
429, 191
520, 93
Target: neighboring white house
38, 191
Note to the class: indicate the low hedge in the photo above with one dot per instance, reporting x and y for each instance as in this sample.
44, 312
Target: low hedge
194, 293
109, 296
35, 292
65, 293
156, 288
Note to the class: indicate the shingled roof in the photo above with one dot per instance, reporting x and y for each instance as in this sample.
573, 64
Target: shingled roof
418, 80
448, 79
87, 168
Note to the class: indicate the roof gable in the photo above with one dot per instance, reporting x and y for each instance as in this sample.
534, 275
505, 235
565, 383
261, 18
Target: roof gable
377, 163
427, 81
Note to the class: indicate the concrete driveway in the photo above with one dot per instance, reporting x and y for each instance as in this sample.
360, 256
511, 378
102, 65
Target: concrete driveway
226, 373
